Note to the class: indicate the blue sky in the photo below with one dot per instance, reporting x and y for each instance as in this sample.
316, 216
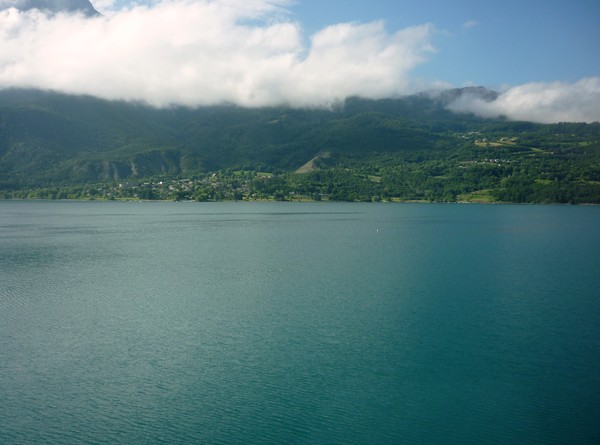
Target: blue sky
542, 56
484, 42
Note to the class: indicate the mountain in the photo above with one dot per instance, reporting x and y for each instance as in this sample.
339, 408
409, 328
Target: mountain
53, 6
409, 147
49, 137
446, 97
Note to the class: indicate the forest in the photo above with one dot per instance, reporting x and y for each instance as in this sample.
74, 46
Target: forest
54, 146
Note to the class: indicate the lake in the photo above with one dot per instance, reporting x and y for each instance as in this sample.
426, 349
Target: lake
298, 323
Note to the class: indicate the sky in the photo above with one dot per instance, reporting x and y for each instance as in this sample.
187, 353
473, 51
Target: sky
542, 56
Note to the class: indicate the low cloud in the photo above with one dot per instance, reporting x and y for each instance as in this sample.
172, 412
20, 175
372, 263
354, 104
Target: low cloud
544, 102
246, 52
470, 24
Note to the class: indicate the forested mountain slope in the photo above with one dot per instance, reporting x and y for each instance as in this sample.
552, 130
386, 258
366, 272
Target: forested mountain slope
51, 140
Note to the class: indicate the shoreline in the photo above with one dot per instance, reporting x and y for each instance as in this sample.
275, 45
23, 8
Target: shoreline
190, 201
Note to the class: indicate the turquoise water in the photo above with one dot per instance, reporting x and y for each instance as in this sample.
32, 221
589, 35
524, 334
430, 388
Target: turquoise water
227, 323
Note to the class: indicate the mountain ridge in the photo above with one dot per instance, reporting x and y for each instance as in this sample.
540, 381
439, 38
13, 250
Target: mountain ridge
50, 139
53, 6
101, 139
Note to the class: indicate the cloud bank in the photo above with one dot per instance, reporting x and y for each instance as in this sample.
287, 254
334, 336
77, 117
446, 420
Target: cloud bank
540, 102
246, 52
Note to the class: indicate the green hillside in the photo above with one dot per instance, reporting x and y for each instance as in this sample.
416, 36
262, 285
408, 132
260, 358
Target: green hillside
53, 145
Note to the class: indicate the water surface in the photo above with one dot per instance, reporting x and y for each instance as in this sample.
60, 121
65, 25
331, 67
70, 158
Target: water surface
223, 323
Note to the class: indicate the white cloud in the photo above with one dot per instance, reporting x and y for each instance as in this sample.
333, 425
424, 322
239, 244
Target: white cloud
470, 24
247, 52
204, 52
540, 102
104, 5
